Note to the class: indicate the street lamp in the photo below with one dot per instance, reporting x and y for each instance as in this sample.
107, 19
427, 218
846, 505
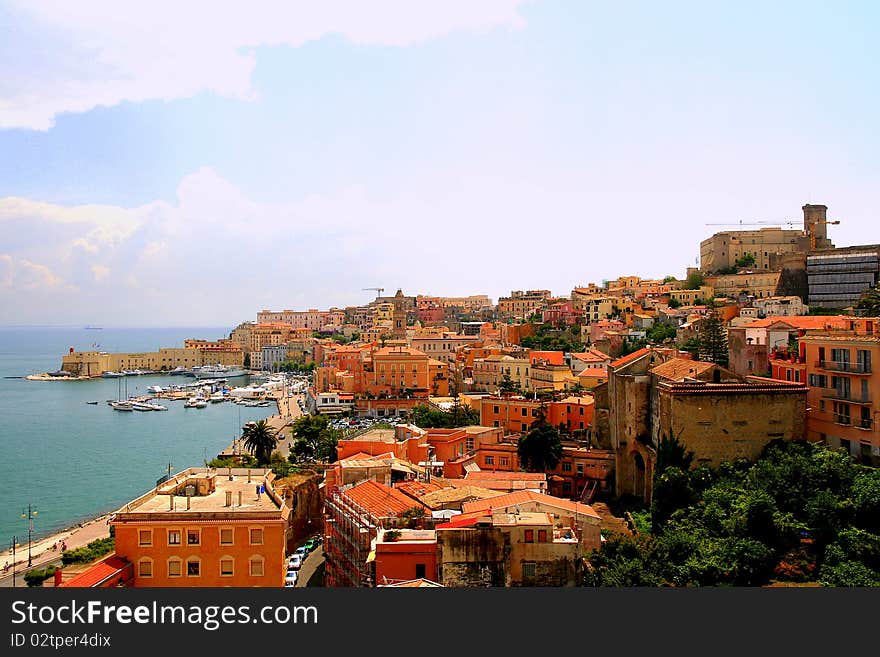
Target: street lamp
30, 515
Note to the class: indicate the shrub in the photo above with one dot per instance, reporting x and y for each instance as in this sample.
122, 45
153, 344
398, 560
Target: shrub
88, 553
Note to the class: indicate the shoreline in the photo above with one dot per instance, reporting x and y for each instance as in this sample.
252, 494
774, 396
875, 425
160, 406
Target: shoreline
75, 536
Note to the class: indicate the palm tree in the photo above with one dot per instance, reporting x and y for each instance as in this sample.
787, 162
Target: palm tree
869, 304
259, 440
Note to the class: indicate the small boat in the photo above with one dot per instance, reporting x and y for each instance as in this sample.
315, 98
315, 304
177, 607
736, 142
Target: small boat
195, 402
94, 402
217, 397
121, 406
111, 375
148, 406
156, 389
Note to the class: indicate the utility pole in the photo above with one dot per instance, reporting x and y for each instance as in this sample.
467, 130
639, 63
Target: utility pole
14, 541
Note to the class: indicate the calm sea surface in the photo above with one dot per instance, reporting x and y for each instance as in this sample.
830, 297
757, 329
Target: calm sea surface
71, 460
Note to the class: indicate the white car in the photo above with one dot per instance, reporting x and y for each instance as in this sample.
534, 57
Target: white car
290, 578
294, 562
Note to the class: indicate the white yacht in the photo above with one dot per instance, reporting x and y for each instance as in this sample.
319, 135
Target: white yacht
218, 371
195, 402
217, 397
121, 406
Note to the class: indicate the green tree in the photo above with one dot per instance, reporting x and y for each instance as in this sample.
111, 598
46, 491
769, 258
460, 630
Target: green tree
694, 281
669, 279
661, 332
540, 449
674, 303
869, 303
314, 439
247, 360
747, 260
259, 440
713, 339
508, 385
458, 416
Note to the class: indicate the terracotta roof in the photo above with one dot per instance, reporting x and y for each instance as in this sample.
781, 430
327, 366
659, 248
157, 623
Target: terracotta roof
98, 573
399, 351
524, 496
380, 500
630, 357
677, 369
458, 494
800, 321
418, 489
464, 520
414, 583
591, 356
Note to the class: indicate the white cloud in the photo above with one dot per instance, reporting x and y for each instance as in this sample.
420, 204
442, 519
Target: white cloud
93, 53
25, 276
100, 271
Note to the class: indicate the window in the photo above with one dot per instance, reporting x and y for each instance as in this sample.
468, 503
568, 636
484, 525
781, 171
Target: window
256, 534
193, 536
566, 466
420, 570
489, 460
528, 570
523, 426
145, 568
256, 566
175, 567
145, 537
193, 567
525, 412
503, 460
580, 468
530, 536
226, 536
581, 411
542, 536
495, 410
226, 566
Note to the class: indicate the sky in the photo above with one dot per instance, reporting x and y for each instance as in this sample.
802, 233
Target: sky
189, 164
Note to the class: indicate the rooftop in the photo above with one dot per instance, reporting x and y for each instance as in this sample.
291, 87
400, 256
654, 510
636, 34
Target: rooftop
526, 496
677, 369
381, 500
209, 494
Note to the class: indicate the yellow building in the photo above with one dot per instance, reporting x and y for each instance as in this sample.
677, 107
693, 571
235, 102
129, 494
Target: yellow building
755, 283
689, 297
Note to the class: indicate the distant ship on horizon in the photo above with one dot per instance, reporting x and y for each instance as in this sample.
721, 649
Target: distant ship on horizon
94, 328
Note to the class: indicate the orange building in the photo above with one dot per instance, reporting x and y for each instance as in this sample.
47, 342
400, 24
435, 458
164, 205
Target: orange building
844, 388
405, 554
206, 528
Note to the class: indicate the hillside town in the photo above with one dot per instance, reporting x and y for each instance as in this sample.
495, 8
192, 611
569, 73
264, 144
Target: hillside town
510, 443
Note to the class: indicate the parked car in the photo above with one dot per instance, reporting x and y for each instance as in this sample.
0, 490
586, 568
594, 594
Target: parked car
295, 562
311, 544
290, 578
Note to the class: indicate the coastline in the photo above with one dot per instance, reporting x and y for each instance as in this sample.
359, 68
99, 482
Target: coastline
74, 536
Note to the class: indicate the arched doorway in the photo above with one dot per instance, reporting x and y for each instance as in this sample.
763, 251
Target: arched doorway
638, 475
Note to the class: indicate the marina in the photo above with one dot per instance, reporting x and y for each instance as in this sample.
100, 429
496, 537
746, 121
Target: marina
75, 457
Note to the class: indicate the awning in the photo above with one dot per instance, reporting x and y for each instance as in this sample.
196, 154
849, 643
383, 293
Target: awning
371, 556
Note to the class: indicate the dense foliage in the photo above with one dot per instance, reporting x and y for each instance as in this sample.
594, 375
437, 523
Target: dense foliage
314, 439
457, 416
801, 513
549, 338
869, 304
37, 576
88, 553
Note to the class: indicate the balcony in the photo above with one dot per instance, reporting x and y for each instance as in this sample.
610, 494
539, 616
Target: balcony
837, 395
839, 366
845, 420
864, 423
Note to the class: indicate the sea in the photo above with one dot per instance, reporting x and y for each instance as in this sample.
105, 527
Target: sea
69, 461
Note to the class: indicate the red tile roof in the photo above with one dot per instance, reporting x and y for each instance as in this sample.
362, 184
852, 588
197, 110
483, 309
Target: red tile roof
630, 357
417, 489
524, 496
677, 369
380, 500
591, 356
463, 520
98, 573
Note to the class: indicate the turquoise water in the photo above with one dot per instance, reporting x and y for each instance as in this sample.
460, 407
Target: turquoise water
71, 460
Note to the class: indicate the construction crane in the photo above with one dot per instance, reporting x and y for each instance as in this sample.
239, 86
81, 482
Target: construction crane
812, 232
379, 290
757, 223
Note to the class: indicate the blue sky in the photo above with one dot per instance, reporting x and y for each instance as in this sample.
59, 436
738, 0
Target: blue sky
191, 171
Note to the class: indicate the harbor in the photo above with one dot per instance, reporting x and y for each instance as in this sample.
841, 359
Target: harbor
75, 460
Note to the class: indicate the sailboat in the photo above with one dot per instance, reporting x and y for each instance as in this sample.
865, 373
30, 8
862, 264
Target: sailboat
121, 404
